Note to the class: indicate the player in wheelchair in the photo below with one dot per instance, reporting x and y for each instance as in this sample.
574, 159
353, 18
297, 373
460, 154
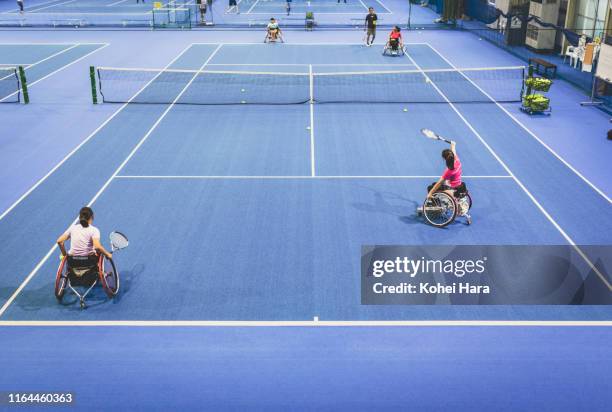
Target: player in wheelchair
273, 32
448, 197
87, 261
395, 43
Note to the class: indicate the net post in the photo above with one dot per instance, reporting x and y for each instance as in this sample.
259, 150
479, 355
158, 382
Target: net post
92, 79
24, 85
529, 76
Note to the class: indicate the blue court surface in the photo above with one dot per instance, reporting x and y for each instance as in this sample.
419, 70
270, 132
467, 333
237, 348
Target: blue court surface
246, 223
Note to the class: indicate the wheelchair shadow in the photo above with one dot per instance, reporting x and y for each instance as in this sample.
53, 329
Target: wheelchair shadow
128, 280
34, 299
391, 203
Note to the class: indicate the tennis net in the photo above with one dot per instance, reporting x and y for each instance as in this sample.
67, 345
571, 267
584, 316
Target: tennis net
10, 89
210, 87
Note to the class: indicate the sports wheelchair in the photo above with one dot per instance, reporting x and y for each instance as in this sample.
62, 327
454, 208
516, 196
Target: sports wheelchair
273, 36
442, 208
85, 272
392, 48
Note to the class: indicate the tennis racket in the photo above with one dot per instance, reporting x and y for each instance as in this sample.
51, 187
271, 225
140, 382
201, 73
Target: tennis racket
430, 134
118, 241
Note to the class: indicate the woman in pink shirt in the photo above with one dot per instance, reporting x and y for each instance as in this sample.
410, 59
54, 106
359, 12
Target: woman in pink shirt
451, 178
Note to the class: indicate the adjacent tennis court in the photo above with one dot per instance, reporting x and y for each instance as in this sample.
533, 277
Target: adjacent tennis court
37, 61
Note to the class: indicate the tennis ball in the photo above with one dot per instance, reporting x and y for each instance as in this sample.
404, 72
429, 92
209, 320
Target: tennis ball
243, 102
307, 127
242, 90
405, 109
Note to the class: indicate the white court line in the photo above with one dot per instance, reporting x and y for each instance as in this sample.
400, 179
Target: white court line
587, 181
319, 13
110, 179
309, 323
51, 44
364, 6
298, 44
38, 62
26, 9
521, 185
56, 54
35, 10
58, 70
313, 176
26, 194
385, 7
115, 3
254, 4
314, 64
312, 136
233, 7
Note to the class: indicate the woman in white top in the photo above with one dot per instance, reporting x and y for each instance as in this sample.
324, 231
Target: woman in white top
84, 237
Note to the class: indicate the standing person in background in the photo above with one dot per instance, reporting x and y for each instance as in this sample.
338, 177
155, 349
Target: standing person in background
233, 5
20, 4
203, 6
288, 7
370, 26
138, 1
339, 1
451, 11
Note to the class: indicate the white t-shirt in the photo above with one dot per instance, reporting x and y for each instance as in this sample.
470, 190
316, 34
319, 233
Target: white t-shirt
81, 239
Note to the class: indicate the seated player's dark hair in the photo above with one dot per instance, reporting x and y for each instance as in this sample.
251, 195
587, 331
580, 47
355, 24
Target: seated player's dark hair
398, 28
449, 157
84, 215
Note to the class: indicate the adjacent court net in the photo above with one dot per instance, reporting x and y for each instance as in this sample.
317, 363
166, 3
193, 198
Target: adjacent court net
9, 85
210, 87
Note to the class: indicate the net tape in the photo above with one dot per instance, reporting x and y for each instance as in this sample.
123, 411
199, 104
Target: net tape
212, 87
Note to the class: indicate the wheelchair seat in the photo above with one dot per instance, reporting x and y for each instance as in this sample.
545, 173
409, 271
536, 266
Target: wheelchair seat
83, 270
461, 191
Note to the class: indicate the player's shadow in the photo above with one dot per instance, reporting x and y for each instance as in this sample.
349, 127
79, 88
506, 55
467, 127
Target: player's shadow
34, 299
392, 204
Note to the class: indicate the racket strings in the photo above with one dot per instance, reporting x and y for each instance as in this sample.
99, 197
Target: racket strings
118, 240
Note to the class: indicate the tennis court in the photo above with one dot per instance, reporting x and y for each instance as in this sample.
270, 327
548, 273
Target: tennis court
278, 7
248, 176
309, 182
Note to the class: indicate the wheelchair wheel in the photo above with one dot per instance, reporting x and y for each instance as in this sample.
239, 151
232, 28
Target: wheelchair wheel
440, 210
109, 277
61, 279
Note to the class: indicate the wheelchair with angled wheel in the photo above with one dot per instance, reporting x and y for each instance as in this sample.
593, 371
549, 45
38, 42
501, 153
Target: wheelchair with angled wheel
393, 48
84, 272
273, 36
442, 208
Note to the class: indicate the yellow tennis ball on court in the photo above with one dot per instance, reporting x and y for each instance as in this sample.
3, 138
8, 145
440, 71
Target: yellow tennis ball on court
243, 90
307, 127
405, 109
